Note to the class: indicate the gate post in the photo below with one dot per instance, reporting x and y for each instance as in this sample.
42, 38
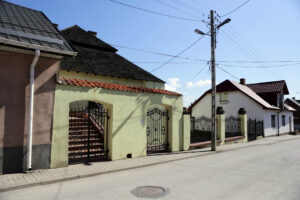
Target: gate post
243, 123
186, 119
221, 125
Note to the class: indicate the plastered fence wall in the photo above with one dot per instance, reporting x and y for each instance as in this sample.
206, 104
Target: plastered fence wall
127, 123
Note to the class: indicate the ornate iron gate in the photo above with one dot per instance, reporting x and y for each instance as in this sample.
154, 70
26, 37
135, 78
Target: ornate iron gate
232, 127
200, 129
157, 130
255, 128
87, 133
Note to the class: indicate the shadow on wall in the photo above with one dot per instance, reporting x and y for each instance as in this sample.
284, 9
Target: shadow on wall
13, 133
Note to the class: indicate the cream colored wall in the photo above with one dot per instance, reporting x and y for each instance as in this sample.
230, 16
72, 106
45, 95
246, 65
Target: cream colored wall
109, 79
127, 128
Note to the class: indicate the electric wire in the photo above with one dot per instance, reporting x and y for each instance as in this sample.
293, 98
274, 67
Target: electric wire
227, 72
193, 78
243, 50
175, 8
234, 32
199, 60
260, 67
270, 73
155, 12
246, 44
158, 53
181, 52
236, 9
196, 10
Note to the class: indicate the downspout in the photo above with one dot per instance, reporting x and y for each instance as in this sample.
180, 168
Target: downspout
30, 113
278, 125
278, 128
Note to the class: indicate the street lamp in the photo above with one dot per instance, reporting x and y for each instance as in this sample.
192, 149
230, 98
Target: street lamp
199, 32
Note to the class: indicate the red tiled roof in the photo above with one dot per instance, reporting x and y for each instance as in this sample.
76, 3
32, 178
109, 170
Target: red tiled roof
112, 86
269, 87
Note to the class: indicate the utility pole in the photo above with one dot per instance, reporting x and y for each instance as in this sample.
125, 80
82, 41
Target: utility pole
213, 82
213, 74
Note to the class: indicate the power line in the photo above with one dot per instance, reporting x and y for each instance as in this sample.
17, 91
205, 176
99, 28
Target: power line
158, 53
181, 52
200, 60
260, 67
189, 7
227, 65
257, 56
227, 72
175, 8
193, 78
245, 41
244, 51
236, 8
197, 2
155, 12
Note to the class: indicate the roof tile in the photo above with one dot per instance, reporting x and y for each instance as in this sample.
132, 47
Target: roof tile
269, 87
112, 86
17, 23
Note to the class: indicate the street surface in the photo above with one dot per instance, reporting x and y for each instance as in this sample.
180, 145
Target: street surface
259, 172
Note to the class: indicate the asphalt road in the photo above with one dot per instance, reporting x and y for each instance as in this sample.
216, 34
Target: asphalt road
259, 172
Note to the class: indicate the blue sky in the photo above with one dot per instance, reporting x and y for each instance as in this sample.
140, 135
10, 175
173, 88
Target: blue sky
260, 31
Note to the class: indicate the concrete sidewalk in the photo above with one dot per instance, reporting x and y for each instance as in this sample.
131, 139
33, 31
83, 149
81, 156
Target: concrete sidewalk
48, 176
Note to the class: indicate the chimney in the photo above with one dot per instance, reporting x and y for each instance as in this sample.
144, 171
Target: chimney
93, 33
55, 25
294, 98
243, 81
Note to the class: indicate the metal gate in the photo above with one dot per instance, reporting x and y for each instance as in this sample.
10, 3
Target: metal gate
157, 130
88, 126
232, 127
200, 129
255, 129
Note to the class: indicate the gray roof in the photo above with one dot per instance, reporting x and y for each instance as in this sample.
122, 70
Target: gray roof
97, 57
295, 102
28, 28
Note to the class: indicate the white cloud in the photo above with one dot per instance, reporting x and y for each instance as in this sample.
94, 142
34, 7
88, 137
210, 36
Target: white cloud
172, 84
200, 83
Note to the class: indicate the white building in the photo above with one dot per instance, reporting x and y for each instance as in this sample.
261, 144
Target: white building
262, 101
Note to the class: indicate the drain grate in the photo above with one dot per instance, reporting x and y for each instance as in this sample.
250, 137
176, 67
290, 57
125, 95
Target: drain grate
150, 192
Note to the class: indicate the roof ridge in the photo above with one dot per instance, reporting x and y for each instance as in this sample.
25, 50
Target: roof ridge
20, 6
75, 25
266, 82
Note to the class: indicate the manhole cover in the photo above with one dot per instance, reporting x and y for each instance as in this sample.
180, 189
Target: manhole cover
150, 192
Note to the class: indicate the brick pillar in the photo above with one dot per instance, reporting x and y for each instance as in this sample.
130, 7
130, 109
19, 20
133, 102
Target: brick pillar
244, 123
186, 119
221, 125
